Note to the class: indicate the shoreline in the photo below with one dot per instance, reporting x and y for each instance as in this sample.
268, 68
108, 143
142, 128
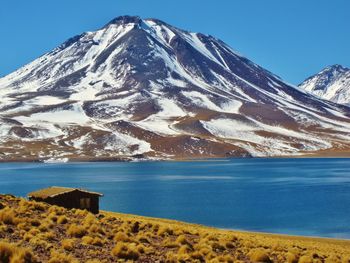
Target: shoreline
231, 230
204, 159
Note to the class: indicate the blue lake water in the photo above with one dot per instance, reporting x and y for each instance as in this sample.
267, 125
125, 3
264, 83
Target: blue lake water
292, 196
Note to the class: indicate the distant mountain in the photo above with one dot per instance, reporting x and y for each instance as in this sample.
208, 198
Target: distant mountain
332, 83
145, 89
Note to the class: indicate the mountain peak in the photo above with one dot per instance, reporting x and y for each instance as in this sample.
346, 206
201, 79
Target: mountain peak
126, 19
155, 20
142, 87
335, 68
332, 83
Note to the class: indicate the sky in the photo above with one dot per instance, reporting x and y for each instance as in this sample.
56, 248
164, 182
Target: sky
292, 38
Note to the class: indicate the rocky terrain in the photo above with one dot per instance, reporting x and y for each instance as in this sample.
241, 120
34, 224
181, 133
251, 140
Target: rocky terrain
141, 88
32, 232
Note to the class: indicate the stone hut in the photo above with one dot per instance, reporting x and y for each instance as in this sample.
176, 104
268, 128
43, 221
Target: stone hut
68, 198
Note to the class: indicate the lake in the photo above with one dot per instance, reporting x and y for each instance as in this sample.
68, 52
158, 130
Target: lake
292, 196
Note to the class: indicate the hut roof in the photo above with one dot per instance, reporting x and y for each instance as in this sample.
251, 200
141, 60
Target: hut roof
56, 190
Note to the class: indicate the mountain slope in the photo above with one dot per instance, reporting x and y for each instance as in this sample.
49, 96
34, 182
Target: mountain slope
145, 88
332, 83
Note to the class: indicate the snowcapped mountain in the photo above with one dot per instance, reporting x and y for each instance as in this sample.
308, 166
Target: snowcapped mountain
143, 88
332, 83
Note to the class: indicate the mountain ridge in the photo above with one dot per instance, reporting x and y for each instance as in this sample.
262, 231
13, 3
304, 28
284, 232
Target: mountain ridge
140, 87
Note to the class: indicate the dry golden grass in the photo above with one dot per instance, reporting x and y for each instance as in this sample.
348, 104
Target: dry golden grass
7, 216
67, 244
259, 255
126, 251
75, 230
36, 232
56, 257
13, 254
62, 219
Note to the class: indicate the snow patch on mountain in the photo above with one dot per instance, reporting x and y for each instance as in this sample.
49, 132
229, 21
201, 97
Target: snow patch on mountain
74, 115
249, 132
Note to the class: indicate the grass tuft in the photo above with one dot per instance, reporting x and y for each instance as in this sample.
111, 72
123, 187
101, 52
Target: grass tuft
75, 230
259, 256
13, 254
305, 259
121, 236
57, 257
126, 251
62, 220
8, 217
67, 244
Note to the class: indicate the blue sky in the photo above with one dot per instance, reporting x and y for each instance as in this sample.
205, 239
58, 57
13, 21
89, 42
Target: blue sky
292, 38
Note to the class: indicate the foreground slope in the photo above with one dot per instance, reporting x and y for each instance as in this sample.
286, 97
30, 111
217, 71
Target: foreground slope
36, 232
143, 88
332, 83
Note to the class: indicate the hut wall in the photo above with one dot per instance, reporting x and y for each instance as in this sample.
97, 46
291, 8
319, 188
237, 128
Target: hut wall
73, 200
